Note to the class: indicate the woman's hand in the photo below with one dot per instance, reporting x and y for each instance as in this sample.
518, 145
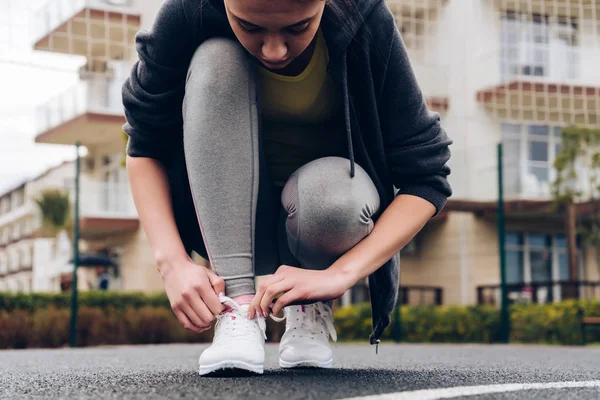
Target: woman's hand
296, 284
193, 292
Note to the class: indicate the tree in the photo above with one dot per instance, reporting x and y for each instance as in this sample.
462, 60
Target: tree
55, 207
577, 168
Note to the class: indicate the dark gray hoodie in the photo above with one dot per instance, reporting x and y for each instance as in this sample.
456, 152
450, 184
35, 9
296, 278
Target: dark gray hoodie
390, 131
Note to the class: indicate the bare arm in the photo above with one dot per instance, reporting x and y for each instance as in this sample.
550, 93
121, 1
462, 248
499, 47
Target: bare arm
192, 290
148, 181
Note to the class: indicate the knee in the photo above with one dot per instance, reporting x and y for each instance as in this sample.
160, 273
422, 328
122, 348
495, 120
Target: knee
215, 64
324, 202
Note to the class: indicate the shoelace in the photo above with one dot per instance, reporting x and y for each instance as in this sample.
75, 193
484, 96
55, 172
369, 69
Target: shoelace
237, 317
311, 317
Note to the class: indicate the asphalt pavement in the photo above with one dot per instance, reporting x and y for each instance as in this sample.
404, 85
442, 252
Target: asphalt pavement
170, 371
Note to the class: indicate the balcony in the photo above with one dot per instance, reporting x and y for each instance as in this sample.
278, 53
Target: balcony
563, 89
421, 295
544, 68
106, 208
407, 295
97, 29
587, 9
539, 293
91, 112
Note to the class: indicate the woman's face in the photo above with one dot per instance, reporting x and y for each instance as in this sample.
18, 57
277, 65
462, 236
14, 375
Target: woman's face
275, 31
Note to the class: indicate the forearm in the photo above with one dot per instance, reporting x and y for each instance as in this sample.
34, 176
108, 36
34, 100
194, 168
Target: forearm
150, 190
397, 226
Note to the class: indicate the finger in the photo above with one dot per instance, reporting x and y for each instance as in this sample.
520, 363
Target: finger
210, 297
201, 310
272, 291
216, 281
255, 304
192, 315
286, 299
185, 321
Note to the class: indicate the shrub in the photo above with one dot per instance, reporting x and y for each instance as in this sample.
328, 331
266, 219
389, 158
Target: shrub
109, 318
549, 323
98, 299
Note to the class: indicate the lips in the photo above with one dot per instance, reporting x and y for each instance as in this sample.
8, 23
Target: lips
275, 65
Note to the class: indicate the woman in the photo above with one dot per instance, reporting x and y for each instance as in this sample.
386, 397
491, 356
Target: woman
269, 137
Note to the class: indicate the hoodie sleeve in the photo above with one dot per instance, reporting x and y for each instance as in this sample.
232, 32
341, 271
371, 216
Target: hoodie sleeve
153, 93
416, 146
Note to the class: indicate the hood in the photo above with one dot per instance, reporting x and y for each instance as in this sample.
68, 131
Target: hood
341, 21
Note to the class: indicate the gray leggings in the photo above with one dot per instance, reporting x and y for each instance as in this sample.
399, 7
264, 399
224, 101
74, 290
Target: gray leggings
249, 226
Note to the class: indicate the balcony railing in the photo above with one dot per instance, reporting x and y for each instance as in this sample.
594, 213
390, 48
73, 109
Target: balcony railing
407, 295
542, 292
550, 65
56, 12
100, 96
421, 295
106, 200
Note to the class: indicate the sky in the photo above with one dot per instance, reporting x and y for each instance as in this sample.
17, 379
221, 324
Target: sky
28, 80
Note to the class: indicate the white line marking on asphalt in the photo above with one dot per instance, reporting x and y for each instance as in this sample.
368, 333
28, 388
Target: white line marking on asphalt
453, 392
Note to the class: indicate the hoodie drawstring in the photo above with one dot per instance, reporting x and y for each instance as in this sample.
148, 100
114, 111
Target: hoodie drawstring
347, 114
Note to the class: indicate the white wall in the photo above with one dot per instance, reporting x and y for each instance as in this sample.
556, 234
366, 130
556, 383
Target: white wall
590, 53
29, 248
43, 277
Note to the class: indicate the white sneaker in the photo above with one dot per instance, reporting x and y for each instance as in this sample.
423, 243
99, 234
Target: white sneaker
305, 342
239, 342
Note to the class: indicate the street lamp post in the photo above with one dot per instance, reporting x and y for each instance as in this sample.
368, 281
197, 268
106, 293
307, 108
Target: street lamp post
74, 303
504, 312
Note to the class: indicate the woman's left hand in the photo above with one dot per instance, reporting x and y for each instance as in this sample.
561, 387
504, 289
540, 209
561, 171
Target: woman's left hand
296, 284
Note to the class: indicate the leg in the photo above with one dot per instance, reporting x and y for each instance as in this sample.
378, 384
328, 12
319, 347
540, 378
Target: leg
328, 212
221, 145
222, 156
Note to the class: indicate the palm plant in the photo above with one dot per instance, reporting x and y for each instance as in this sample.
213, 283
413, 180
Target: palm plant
55, 207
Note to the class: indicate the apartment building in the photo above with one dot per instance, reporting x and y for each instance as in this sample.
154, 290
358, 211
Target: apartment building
24, 252
517, 72
101, 32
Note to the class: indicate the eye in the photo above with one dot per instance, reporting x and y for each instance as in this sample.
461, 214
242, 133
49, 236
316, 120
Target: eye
299, 30
248, 27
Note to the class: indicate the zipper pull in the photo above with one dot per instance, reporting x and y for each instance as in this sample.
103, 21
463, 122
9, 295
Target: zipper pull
376, 343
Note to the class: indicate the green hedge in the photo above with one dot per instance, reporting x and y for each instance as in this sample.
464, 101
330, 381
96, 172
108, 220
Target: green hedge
557, 323
42, 320
98, 299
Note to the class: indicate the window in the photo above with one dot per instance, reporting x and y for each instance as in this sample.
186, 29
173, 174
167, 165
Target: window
3, 263
13, 261
540, 257
529, 154
562, 259
540, 46
536, 258
514, 258
5, 205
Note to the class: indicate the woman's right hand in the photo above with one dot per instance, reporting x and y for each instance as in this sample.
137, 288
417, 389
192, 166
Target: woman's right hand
193, 292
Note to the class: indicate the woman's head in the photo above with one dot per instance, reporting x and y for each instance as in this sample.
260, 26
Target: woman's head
275, 31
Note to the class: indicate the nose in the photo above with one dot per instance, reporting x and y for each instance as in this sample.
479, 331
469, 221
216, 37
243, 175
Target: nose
274, 49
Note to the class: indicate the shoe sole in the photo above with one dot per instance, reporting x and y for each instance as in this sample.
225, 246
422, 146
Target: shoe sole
306, 363
231, 368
